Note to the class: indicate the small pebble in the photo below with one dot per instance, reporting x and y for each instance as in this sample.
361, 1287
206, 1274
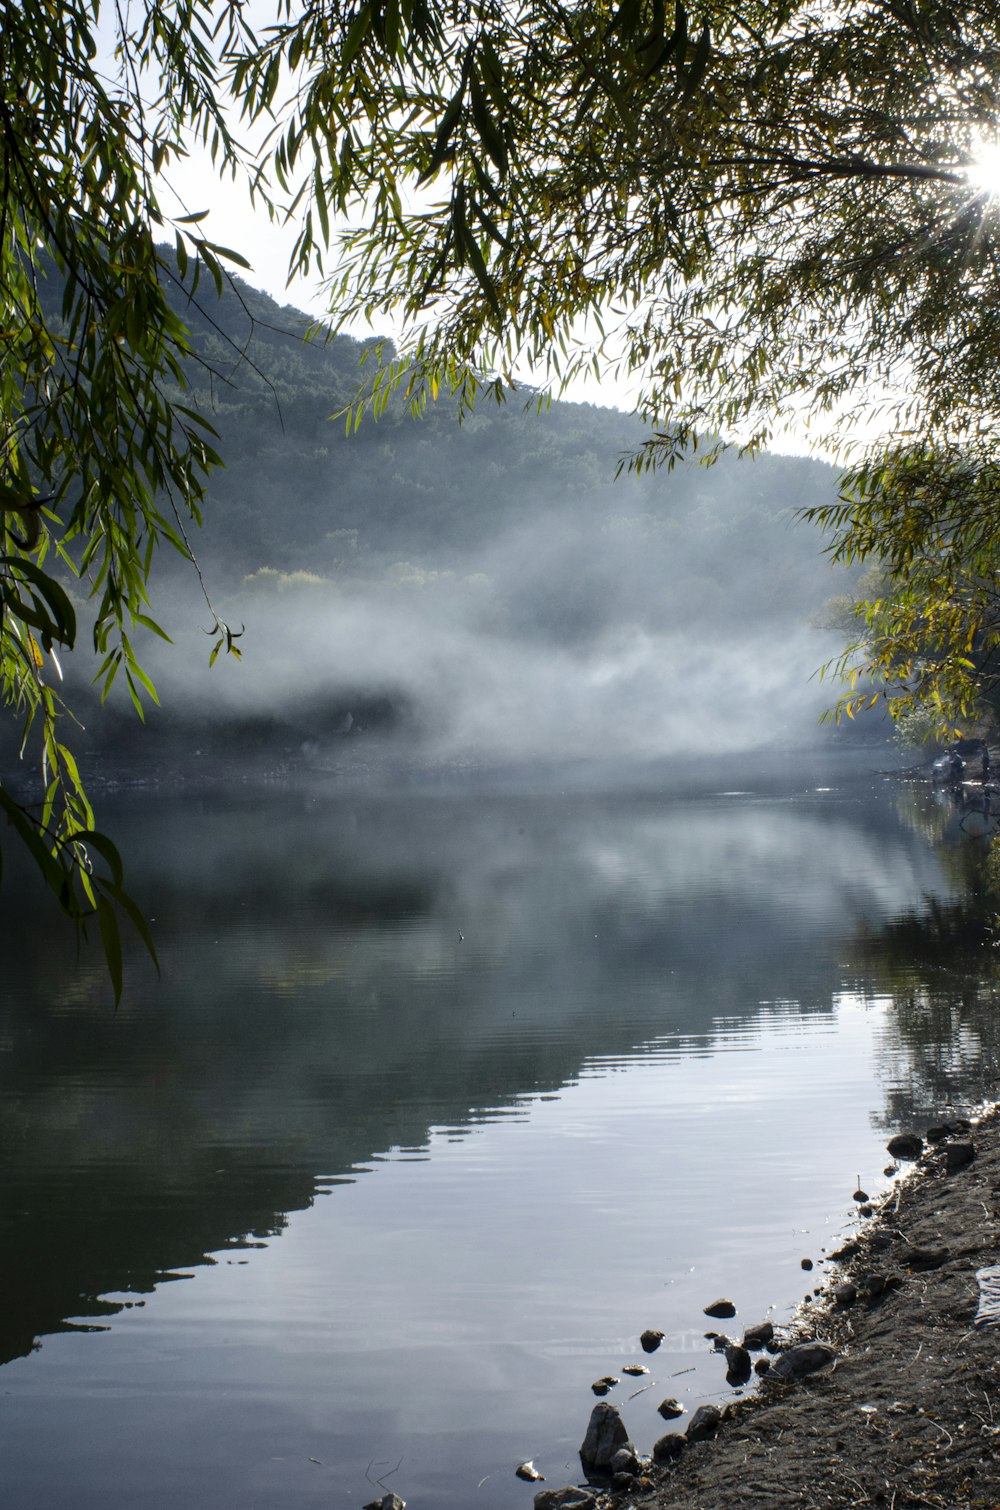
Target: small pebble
803, 1359
955, 1156
807, 1263
738, 1365
670, 1409
635, 1369
923, 1259
756, 1337
669, 1447
704, 1423
906, 1146
650, 1340
721, 1309
860, 1195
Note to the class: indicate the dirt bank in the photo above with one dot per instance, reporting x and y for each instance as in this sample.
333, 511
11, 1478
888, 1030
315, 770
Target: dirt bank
910, 1414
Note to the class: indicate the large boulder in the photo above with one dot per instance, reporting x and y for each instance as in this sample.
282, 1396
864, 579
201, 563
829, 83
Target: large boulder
606, 1434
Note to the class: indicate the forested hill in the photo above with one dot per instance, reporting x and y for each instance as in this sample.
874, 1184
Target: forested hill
488, 587
294, 479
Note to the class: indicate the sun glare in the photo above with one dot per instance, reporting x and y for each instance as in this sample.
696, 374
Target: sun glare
984, 170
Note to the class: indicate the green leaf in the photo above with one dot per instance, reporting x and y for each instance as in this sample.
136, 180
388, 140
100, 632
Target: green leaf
107, 850
489, 132
135, 917
112, 944
358, 32
442, 141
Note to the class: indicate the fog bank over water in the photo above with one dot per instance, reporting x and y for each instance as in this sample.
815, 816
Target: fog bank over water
483, 591
465, 689
577, 634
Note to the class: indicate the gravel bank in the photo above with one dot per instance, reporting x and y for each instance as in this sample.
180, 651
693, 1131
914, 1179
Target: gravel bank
909, 1416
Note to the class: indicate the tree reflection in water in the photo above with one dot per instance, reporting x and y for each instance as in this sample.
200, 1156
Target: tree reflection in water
939, 963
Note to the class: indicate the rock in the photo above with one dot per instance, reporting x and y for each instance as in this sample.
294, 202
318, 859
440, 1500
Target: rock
650, 1340
721, 1309
807, 1263
762, 1366
605, 1435
625, 1460
846, 1251
669, 1447
703, 1424
635, 1369
845, 1294
802, 1360
670, 1409
921, 1260
387, 1502
601, 1386
906, 1146
622, 1480
757, 1337
866, 1210
570, 1498
529, 1473
937, 1134
738, 1365
890, 1170
860, 1195
956, 1156
874, 1283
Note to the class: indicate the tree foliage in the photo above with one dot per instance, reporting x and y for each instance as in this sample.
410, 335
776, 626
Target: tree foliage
747, 208
758, 214
99, 461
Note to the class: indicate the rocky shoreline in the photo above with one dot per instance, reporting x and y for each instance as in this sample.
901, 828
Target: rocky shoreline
889, 1394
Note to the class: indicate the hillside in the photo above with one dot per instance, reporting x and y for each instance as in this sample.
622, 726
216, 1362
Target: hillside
487, 588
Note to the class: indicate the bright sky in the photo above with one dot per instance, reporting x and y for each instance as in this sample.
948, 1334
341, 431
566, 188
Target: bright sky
234, 222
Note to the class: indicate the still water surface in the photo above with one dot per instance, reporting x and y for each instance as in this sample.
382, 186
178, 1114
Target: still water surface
442, 1097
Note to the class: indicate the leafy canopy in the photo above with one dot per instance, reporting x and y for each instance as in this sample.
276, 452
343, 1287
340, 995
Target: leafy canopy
99, 460
757, 214
753, 211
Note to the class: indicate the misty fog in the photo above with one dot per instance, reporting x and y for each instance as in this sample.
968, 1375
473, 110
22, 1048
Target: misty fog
474, 593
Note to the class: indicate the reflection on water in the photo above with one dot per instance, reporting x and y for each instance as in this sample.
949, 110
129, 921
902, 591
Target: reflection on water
937, 961
441, 1099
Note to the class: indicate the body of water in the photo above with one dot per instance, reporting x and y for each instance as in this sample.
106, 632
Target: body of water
444, 1094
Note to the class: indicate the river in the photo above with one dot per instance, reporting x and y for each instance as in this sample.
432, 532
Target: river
448, 1089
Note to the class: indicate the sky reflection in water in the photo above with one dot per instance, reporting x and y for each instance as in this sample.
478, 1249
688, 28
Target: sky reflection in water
647, 1073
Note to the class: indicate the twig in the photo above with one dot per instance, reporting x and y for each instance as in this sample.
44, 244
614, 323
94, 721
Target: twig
380, 1483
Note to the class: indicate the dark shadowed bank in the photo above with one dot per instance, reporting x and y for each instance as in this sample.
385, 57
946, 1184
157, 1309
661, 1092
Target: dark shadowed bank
909, 1415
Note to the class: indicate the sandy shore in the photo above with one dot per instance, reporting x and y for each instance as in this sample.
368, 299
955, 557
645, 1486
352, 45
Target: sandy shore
909, 1416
